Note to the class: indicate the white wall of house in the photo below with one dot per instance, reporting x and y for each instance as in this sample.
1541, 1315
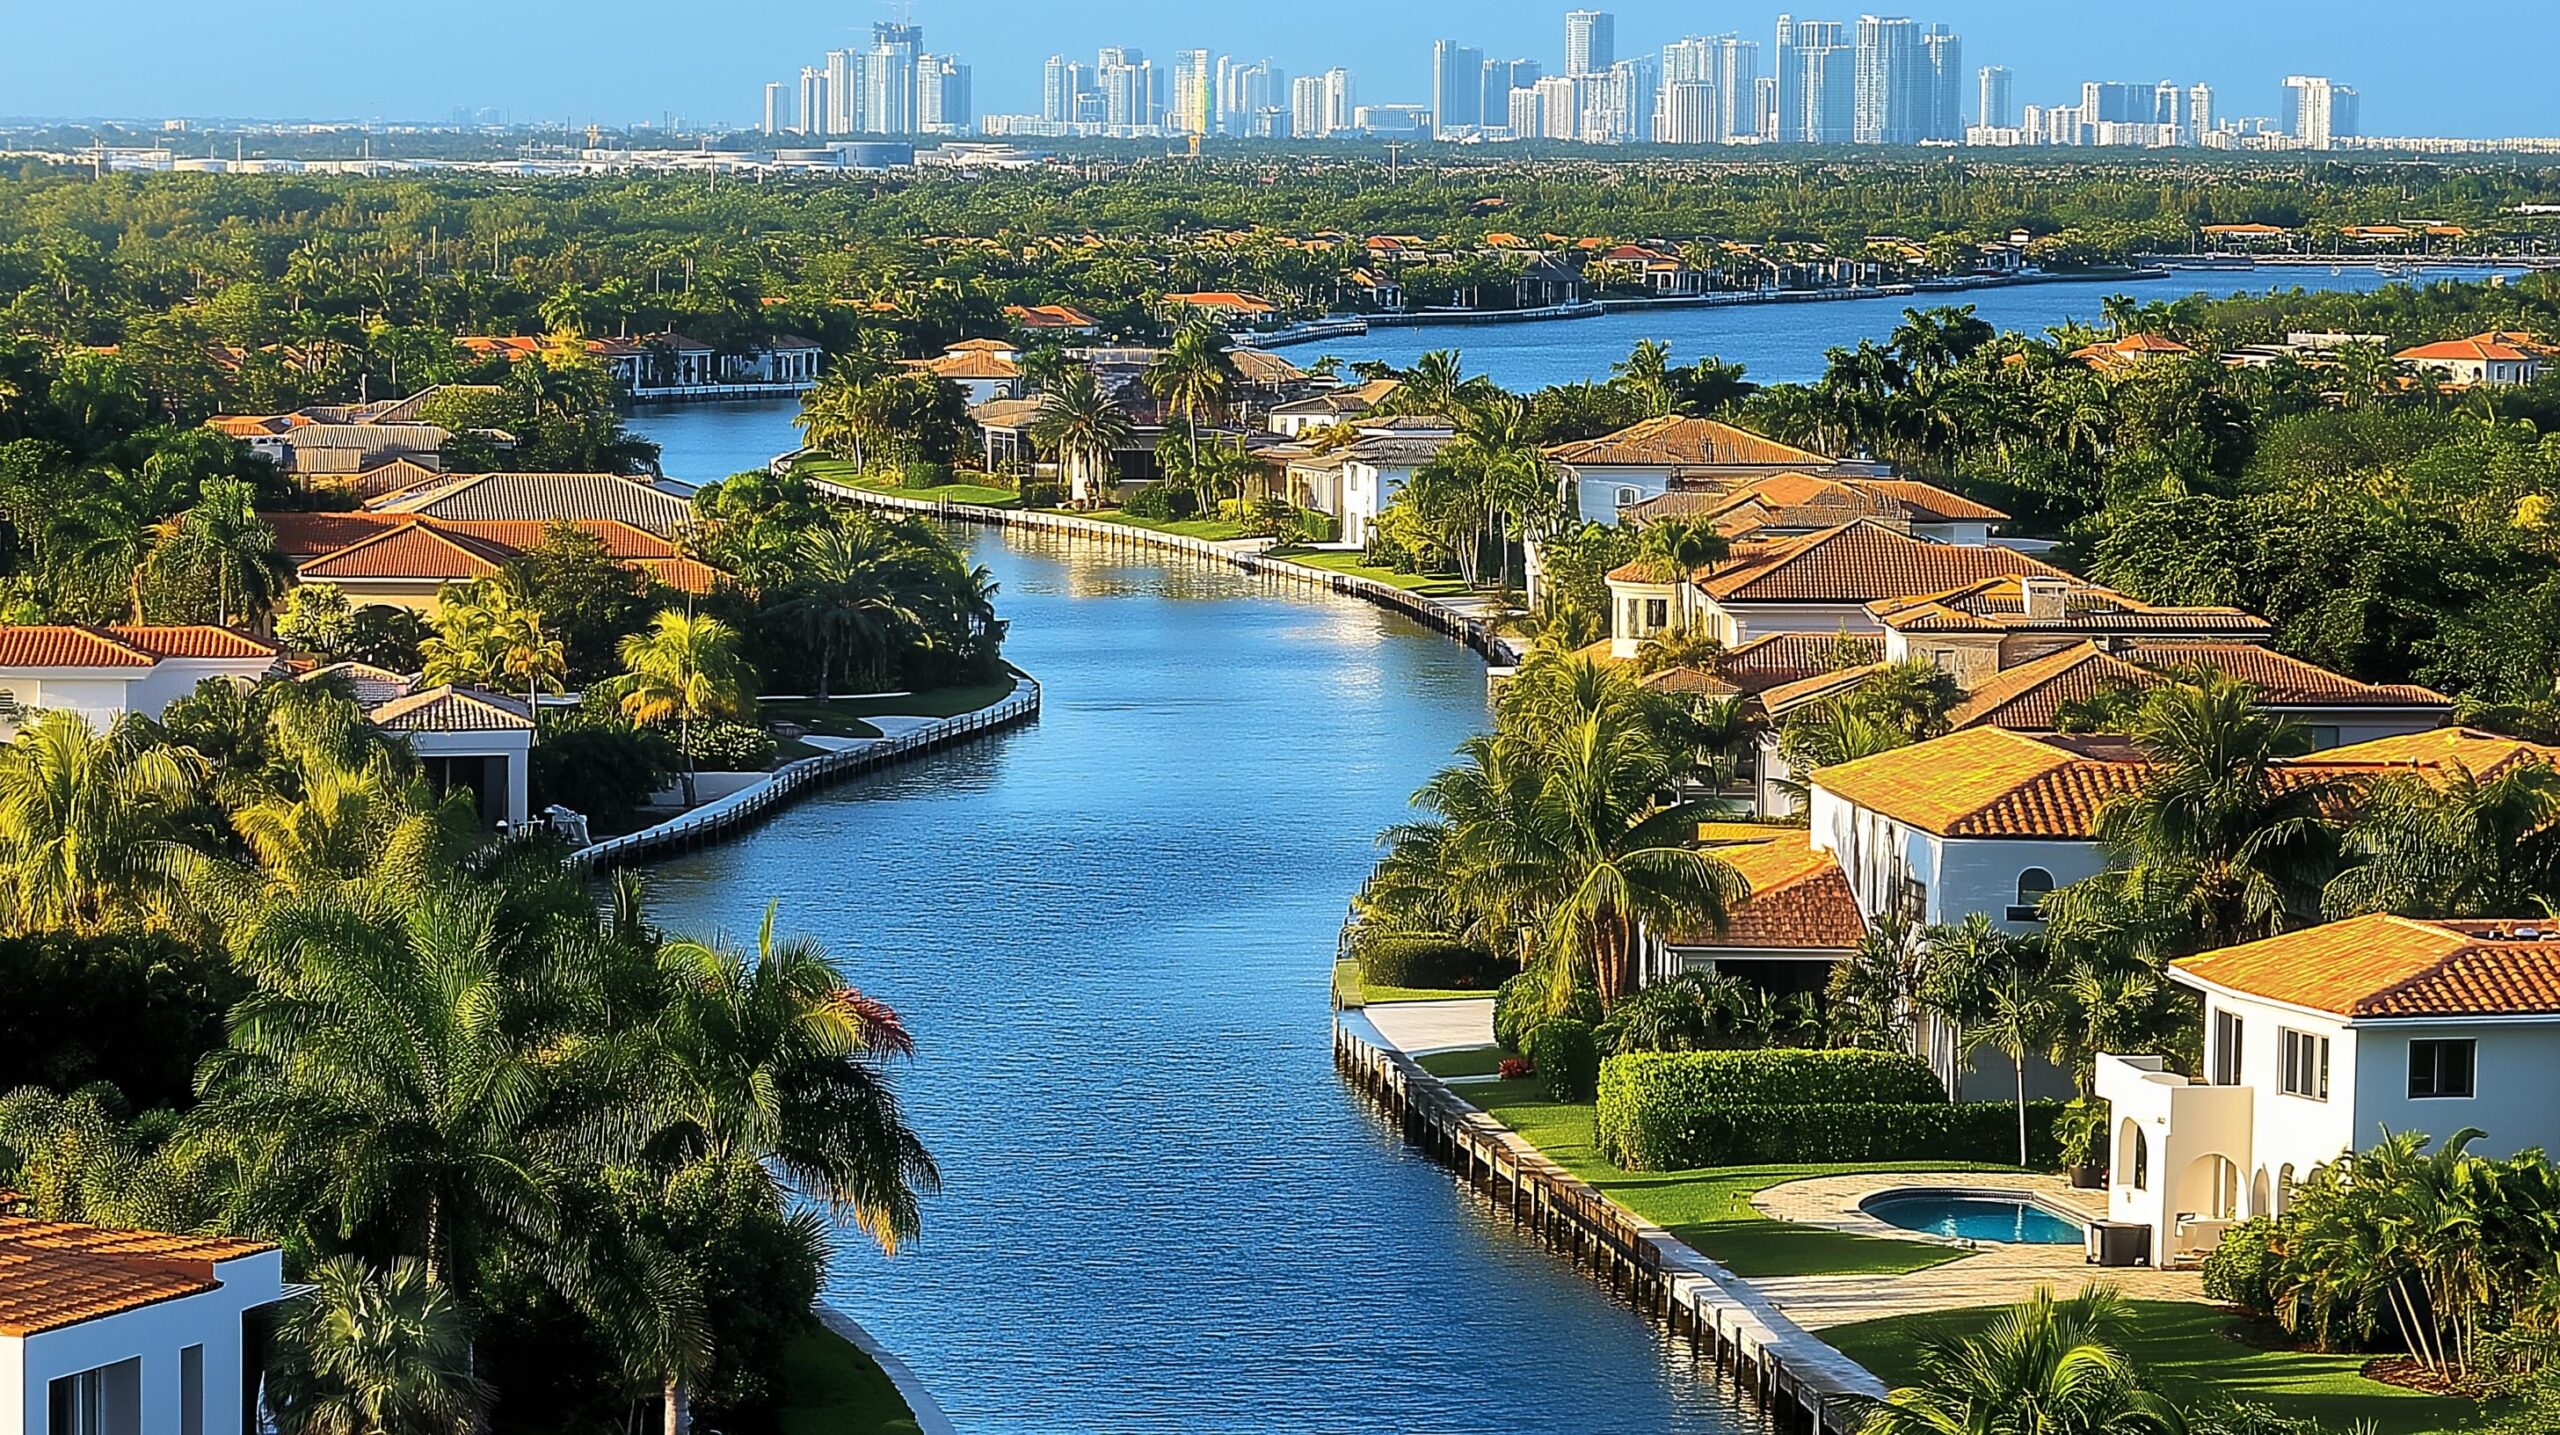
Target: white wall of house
102, 695
1601, 492
513, 746
2516, 1075
1972, 532
162, 1391
1737, 623
1893, 866
1367, 489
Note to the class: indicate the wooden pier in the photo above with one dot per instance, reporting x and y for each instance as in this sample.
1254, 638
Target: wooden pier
1805, 1386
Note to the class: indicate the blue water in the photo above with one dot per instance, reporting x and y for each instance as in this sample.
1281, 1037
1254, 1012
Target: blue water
1111, 933
1784, 343
1977, 1218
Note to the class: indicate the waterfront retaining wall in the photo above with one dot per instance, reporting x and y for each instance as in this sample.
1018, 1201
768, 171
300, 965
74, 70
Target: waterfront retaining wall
1805, 1385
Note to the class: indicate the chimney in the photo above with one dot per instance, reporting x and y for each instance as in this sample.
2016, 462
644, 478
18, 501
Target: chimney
2045, 599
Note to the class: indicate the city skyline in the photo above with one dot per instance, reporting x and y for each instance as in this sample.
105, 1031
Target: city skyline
146, 58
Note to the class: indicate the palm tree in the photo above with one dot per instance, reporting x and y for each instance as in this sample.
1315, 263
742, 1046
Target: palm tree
852, 592
88, 818
1082, 427
682, 668
1195, 374
223, 540
1646, 373
2050, 1366
112, 527
2461, 845
2021, 1017
374, 1354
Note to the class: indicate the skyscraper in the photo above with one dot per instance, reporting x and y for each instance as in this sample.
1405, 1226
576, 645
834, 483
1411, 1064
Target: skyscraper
1061, 81
1560, 106
1524, 113
844, 92
1191, 93
777, 97
2319, 111
1942, 115
1995, 98
1687, 114
1341, 101
1590, 42
1306, 107
889, 88
811, 117
1457, 87
1815, 89
1501, 78
2199, 112
1891, 81
1734, 70
943, 103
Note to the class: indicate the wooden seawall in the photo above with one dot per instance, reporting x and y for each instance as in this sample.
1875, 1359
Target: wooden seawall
1804, 1385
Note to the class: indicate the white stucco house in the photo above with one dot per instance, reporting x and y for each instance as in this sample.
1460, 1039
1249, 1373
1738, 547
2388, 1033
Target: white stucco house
466, 738
984, 369
109, 1332
2317, 1042
2494, 360
1648, 458
105, 673
1355, 481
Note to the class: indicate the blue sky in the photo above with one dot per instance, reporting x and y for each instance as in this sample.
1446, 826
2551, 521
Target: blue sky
2470, 72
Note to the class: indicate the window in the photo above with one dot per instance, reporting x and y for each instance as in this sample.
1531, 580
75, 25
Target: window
2227, 1029
2306, 1064
2324, 736
1630, 495
2442, 1068
191, 1390
2033, 885
78, 1404
1657, 612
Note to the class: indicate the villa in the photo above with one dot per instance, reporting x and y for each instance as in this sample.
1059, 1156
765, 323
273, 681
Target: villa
2317, 1043
1650, 458
405, 560
2495, 360
109, 1332
2131, 352
1298, 418
984, 369
1798, 919
663, 508
106, 673
1791, 504
1355, 481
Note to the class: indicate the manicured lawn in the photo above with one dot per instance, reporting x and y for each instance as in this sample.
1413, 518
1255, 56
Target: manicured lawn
1474, 1061
830, 1388
1711, 1208
836, 470
1429, 585
835, 719
1351, 991
843, 717
1215, 530
2191, 1354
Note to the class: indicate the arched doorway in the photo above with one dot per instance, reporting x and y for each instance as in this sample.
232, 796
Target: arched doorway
2133, 1155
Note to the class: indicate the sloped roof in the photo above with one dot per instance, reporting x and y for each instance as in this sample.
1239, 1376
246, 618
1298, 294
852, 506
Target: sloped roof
2030, 696
124, 645
2384, 966
54, 1274
373, 686
1764, 663
2480, 348
969, 364
1786, 697
194, 640
540, 496
1798, 900
1795, 499
453, 709
1050, 316
1674, 440
2280, 679
1999, 605
1861, 562
427, 552
1986, 782
2483, 753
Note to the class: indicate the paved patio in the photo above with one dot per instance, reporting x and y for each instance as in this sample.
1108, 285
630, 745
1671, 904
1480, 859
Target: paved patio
1994, 1274
1416, 1028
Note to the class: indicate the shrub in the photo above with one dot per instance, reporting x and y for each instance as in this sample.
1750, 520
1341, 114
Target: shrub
1160, 500
1777, 1076
1566, 1056
1042, 493
1513, 1068
2083, 1132
1437, 963
1523, 1001
730, 747
593, 760
1739, 1135
917, 473
1315, 527
2244, 1269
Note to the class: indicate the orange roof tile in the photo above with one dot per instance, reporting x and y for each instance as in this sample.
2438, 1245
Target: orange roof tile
2482, 349
55, 1274
1675, 441
420, 551
452, 709
2482, 753
2029, 697
1861, 562
2386, 967
66, 646
2282, 680
194, 640
1798, 899
1985, 782
1999, 605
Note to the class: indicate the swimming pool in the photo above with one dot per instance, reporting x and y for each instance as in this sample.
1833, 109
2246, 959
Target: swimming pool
1975, 1217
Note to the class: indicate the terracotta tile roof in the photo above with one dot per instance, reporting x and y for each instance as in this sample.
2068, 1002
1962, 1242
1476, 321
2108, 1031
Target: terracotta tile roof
1786, 697
981, 346
1226, 299
194, 640
540, 496
1050, 316
2385, 967
1986, 782
2130, 348
1860, 562
1798, 900
373, 686
1999, 605
1930, 503
452, 709
1804, 501
2482, 348
247, 426
685, 575
1676, 441
2442, 749
2029, 697
426, 552
2282, 680
54, 1274
1764, 663
971, 364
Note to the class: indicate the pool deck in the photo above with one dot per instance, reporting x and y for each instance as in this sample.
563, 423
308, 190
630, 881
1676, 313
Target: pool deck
1996, 1273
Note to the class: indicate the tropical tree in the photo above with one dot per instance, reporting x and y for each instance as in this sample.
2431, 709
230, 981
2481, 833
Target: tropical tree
88, 819
684, 668
1195, 375
2051, 1366
221, 542
2458, 844
1082, 427
374, 1353
854, 590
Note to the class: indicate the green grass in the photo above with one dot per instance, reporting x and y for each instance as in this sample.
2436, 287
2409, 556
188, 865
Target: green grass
1474, 1061
844, 717
831, 1388
1215, 530
1422, 994
1711, 1208
1429, 585
836, 470
2195, 1356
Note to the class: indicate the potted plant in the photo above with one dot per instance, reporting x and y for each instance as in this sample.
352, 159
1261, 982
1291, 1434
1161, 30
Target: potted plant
2083, 1134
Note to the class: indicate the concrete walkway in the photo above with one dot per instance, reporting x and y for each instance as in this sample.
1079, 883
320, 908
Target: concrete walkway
1416, 1028
1996, 1273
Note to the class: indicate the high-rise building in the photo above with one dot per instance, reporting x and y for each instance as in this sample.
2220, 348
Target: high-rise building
1524, 114
943, 103
844, 92
2320, 111
1192, 91
1942, 112
2113, 102
2199, 112
1891, 71
1816, 89
811, 116
889, 88
1306, 107
1560, 106
1764, 108
1995, 98
1248, 92
1132, 94
1061, 83
1501, 78
1617, 107
1457, 87
1686, 61
1687, 114
777, 99
1590, 42
1734, 70
1341, 103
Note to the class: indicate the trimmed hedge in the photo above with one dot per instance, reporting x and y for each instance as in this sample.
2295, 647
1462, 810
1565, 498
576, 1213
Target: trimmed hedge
1521, 1003
1768, 1076
1429, 963
1566, 1057
1744, 1135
